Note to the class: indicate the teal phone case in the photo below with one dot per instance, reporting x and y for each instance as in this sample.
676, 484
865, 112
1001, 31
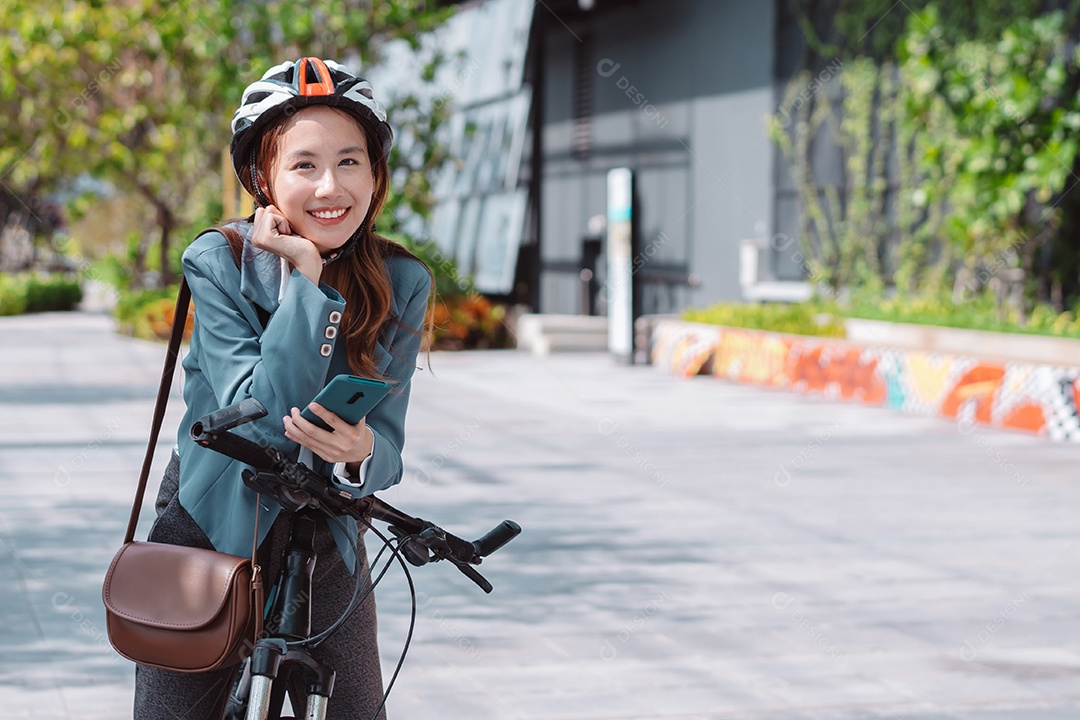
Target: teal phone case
350, 397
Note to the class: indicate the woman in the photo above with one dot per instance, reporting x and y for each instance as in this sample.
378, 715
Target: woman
300, 292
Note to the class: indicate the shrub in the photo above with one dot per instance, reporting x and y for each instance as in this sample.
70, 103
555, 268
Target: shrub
52, 294
463, 319
28, 293
12, 297
148, 314
471, 322
816, 318
980, 312
800, 319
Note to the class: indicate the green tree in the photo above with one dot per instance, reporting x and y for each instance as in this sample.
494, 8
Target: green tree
39, 71
955, 156
975, 105
1010, 116
140, 92
848, 29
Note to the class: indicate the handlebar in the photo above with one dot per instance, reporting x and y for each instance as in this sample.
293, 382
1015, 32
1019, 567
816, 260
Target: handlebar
296, 486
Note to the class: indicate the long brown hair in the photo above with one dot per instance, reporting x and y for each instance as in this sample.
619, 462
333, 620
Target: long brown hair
360, 277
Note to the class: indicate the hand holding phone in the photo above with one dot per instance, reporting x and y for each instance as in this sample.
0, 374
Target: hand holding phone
350, 397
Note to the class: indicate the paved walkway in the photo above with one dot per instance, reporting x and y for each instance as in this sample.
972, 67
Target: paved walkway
692, 549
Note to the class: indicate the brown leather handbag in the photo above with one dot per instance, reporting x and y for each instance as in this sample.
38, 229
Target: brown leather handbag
175, 607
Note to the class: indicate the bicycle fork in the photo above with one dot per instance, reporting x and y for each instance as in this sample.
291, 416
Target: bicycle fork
267, 659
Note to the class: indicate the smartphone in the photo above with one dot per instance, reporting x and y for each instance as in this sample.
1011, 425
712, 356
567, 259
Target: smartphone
350, 397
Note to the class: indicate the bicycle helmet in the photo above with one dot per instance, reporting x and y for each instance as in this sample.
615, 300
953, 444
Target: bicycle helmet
290, 86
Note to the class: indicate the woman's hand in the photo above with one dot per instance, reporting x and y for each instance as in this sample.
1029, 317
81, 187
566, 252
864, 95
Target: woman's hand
350, 444
272, 232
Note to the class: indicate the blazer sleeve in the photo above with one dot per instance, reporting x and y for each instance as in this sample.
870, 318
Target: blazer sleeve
387, 419
284, 367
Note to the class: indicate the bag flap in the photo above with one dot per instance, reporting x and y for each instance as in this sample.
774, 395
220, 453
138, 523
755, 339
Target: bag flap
170, 586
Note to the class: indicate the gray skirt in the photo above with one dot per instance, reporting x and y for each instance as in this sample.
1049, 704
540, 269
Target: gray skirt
352, 652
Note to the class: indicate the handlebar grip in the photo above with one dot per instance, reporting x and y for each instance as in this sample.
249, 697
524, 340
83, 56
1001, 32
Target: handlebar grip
503, 533
228, 417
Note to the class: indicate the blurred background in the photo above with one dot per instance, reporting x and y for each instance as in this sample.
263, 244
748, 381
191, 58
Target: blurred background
867, 159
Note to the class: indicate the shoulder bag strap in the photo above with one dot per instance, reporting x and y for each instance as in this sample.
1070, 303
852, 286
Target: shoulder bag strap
179, 320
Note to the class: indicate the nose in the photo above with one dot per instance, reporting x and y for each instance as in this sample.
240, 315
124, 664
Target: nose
328, 184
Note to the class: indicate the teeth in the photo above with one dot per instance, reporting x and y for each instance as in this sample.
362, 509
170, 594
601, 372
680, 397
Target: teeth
329, 214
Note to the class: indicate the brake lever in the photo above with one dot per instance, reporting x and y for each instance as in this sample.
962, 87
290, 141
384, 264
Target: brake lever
433, 541
470, 572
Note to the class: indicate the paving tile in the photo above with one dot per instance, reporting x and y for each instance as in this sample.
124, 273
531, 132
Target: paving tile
666, 569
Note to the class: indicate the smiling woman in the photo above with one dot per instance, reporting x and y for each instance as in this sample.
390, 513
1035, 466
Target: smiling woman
287, 299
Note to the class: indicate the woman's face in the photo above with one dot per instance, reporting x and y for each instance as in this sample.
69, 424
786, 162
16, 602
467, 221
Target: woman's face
321, 178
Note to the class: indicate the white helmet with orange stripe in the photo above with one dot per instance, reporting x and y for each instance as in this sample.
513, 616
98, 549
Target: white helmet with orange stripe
288, 87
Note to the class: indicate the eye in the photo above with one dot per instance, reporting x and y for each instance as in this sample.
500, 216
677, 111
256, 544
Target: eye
349, 161
303, 165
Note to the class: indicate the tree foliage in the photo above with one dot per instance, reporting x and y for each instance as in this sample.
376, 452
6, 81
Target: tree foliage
957, 158
872, 29
1010, 114
140, 92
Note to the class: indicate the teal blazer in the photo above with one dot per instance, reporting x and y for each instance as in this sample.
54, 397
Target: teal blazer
283, 365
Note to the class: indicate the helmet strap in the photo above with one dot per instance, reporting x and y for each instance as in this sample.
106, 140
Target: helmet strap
253, 173
345, 250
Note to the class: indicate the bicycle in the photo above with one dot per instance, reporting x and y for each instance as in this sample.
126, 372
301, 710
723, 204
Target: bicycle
285, 661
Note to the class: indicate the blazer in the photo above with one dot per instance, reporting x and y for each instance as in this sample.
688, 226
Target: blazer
283, 365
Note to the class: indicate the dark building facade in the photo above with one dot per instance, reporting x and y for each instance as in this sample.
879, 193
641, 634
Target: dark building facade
677, 91
550, 96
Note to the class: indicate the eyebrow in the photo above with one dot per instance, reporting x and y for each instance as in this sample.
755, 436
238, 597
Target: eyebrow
351, 150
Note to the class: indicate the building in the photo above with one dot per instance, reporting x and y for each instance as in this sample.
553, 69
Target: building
550, 96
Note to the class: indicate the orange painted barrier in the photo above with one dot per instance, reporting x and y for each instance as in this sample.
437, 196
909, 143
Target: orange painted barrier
1040, 399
